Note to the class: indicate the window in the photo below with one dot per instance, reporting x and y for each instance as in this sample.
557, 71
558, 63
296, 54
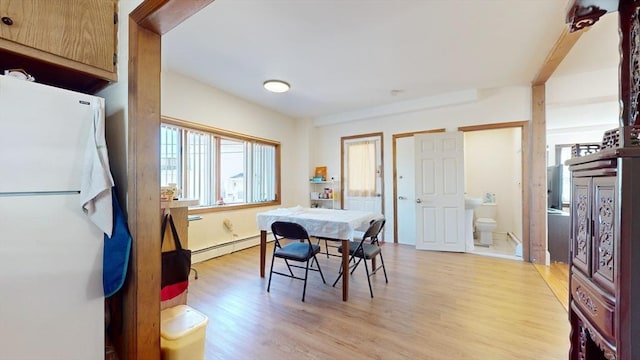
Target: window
361, 169
563, 153
218, 167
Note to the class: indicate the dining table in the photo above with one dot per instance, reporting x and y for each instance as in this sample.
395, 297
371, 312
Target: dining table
327, 224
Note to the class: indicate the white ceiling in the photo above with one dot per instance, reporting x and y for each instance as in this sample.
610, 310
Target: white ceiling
344, 56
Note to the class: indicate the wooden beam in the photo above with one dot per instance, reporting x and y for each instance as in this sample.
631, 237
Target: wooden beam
537, 175
558, 52
160, 16
137, 313
534, 171
140, 303
525, 138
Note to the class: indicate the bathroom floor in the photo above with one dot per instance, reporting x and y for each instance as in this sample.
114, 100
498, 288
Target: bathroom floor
501, 247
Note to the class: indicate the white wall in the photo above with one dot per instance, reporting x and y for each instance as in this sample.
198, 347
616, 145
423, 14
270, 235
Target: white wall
581, 107
187, 99
217, 109
492, 164
117, 104
314, 146
493, 106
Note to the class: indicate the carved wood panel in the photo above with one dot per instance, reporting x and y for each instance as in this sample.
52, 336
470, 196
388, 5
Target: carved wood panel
629, 30
581, 224
604, 233
594, 304
634, 79
587, 342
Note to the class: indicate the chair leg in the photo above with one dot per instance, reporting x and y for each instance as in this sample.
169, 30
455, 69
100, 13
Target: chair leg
288, 266
338, 278
326, 247
352, 258
306, 274
384, 269
273, 257
366, 268
319, 270
356, 265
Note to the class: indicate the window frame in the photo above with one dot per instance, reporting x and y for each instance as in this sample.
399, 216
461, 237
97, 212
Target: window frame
220, 133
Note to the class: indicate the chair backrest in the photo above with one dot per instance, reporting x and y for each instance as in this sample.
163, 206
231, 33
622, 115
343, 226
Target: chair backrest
289, 230
374, 229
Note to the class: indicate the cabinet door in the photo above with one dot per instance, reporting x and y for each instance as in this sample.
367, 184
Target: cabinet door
80, 30
581, 223
604, 204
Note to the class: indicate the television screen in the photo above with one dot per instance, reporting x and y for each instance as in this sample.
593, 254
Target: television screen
554, 186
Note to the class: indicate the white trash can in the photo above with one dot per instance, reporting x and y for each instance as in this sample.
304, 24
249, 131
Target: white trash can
182, 333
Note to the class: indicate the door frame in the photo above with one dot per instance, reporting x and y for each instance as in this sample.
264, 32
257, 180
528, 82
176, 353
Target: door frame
136, 313
139, 337
394, 139
526, 192
343, 139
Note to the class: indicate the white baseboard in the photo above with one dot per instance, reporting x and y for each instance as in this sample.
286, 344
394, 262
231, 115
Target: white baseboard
223, 249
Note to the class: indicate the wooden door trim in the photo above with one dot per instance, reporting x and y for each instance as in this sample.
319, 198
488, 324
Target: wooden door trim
342, 164
140, 331
394, 139
138, 337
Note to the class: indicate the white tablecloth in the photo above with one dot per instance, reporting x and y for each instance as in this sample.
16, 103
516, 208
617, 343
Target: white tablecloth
327, 223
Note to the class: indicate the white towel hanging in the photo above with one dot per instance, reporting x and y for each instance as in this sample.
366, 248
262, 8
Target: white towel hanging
95, 191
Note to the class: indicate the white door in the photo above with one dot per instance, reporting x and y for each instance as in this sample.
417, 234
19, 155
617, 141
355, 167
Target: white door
362, 173
405, 183
439, 164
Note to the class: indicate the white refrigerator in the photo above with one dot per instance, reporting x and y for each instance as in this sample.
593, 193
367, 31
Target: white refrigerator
51, 295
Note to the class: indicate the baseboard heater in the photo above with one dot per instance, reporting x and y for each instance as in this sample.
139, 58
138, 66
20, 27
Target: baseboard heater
214, 251
229, 243
514, 238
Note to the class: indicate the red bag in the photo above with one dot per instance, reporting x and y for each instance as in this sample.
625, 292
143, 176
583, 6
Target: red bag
176, 265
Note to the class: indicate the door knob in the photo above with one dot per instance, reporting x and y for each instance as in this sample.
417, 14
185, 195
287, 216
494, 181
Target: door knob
418, 201
402, 198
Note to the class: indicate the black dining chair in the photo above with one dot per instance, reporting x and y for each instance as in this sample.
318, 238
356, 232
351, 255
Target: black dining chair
365, 249
299, 249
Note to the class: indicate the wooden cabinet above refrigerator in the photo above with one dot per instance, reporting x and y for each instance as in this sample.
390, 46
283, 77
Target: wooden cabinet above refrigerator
66, 43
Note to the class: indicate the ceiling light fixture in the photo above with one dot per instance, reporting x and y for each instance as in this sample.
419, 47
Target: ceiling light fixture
276, 86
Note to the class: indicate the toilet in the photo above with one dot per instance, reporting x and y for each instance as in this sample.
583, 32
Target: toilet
485, 222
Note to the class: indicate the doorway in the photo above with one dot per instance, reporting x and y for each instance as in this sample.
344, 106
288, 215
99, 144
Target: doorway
494, 161
493, 175
403, 203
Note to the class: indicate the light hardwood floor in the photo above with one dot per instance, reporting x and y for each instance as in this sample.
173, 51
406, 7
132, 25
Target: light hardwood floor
435, 306
556, 275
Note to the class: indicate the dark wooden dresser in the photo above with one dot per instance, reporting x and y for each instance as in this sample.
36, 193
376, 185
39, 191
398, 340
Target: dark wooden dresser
604, 297
604, 258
